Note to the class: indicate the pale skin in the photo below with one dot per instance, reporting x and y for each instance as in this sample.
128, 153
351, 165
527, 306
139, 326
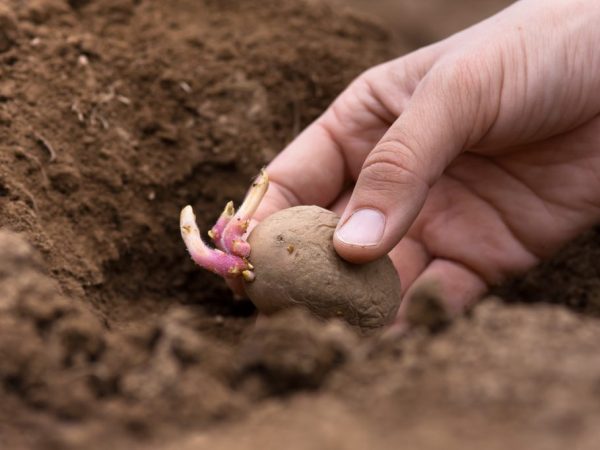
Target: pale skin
475, 157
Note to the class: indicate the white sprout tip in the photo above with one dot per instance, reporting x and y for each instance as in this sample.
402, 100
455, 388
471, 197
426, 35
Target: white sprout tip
187, 219
248, 275
262, 178
255, 195
187, 223
191, 235
229, 210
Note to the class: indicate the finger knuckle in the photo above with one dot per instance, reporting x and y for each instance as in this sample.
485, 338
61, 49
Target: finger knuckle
392, 163
463, 79
461, 74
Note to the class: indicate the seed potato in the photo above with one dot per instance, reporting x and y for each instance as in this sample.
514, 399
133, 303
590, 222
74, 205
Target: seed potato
296, 265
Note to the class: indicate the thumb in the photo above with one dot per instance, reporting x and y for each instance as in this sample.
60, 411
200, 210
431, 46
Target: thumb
438, 123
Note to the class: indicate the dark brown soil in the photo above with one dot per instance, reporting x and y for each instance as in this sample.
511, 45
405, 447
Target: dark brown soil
116, 113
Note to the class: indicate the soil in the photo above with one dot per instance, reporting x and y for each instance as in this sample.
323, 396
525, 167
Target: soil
116, 113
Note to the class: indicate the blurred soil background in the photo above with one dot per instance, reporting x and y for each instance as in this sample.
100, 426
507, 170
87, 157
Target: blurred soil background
116, 113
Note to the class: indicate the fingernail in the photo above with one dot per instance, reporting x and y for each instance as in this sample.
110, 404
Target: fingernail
364, 228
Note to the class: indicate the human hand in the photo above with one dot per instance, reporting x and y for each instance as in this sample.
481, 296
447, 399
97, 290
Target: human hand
468, 160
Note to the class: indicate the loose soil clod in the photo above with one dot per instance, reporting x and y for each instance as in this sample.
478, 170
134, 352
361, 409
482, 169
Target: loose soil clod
8, 28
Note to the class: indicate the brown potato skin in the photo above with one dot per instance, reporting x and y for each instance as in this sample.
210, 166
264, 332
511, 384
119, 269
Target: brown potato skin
296, 265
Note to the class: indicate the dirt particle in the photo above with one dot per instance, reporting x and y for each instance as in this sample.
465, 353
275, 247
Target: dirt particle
76, 4
426, 309
4, 191
9, 30
64, 178
7, 90
41, 11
